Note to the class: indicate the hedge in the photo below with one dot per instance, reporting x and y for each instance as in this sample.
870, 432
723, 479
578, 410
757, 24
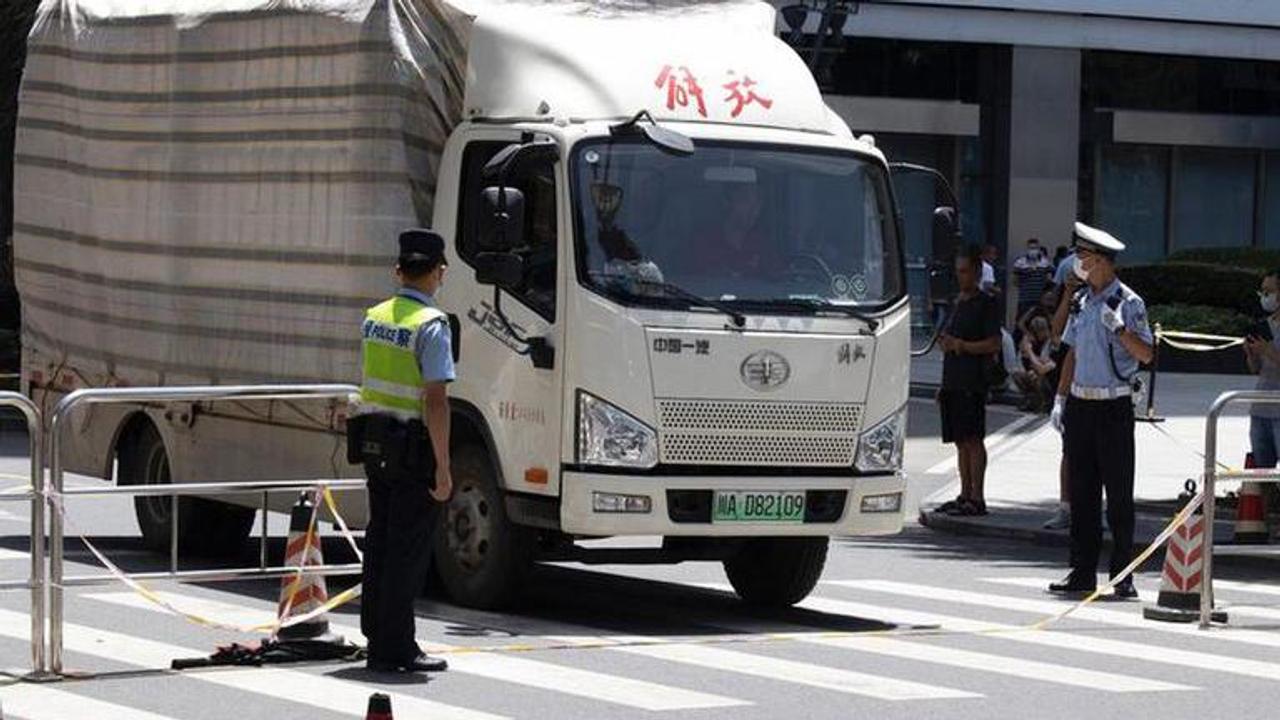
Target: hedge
1265, 259
1200, 319
1186, 283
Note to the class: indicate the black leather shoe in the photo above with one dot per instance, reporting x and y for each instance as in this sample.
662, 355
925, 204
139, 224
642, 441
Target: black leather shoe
1124, 590
1074, 584
421, 663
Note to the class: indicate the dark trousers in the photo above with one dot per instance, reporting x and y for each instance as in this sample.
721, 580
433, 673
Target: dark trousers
397, 549
1099, 450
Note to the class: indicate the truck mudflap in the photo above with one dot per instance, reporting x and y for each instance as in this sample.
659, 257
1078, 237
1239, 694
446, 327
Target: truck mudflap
723, 506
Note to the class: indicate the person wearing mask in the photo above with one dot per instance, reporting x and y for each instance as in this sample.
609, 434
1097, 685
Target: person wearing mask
1031, 271
1109, 337
400, 433
1262, 351
969, 339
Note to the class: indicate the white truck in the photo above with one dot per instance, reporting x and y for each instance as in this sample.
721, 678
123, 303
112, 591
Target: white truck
676, 278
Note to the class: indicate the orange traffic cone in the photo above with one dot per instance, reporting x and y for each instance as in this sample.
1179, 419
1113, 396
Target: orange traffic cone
304, 593
1251, 519
379, 708
1182, 580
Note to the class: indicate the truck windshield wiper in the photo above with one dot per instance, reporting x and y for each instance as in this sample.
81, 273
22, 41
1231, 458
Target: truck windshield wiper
738, 318
821, 303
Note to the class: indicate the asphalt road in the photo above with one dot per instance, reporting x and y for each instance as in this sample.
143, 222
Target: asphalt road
909, 626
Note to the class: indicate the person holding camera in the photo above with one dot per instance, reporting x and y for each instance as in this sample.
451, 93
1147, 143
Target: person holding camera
400, 433
1262, 352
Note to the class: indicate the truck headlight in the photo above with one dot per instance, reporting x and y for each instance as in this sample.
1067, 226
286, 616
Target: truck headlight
880, 448
610, 436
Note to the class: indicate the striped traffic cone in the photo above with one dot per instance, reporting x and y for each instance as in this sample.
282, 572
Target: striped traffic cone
303, 593
379, 708
1182, 580
1251, 519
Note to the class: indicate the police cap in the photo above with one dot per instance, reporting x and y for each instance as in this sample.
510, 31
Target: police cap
1095, 240
421, 246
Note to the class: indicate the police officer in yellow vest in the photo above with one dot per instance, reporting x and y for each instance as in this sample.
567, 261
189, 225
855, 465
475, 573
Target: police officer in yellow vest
400, 434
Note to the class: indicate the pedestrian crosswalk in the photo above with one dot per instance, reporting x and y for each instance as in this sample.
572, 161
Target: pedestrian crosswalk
924, 643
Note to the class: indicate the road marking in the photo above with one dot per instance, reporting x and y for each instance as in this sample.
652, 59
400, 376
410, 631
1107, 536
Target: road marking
997, 442
1048, 638
791, 671
1149, 596
41, 702
521, 671
1246, 587
999, 664
7, 554
291, 685
1052, 607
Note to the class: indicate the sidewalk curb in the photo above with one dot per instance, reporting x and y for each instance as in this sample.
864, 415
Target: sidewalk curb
1059, 538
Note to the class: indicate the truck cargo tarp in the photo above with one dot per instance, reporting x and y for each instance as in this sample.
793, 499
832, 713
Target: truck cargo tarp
215, 196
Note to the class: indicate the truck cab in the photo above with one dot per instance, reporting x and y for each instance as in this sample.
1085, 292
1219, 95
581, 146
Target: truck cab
679, 284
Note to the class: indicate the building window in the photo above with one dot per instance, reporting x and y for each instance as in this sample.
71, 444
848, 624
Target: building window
1271, 202
1213, 198
1132, 199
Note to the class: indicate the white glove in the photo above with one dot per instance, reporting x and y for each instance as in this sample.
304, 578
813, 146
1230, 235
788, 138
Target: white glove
1059, 407
1112, 319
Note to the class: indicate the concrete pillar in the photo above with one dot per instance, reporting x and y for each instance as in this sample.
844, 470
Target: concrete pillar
1044, 149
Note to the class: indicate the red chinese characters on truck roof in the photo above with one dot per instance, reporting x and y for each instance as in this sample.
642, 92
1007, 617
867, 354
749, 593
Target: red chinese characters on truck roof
682, 88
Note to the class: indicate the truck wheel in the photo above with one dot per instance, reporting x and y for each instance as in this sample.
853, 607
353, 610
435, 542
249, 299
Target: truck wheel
777, 572
481, 557
205, 527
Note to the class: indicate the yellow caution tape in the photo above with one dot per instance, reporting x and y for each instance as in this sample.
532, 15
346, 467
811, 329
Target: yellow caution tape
1225, 341
272, 627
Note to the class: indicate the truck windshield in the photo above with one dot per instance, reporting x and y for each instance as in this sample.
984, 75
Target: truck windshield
754, 227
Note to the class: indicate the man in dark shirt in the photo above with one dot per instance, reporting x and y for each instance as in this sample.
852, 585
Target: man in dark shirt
970, 340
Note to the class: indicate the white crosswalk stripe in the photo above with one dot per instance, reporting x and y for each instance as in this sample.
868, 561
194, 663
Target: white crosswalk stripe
1247, 587
986, 662
1047, 608
522, 671
803, 673
1148, 596
1077, 642
292, 685
26, 701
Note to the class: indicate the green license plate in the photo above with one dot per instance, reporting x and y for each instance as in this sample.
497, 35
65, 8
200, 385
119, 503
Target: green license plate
749, 506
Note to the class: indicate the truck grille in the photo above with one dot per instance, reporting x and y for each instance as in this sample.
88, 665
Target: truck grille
746, 432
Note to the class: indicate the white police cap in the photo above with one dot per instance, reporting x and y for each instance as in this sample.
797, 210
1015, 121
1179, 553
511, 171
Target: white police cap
1091, 238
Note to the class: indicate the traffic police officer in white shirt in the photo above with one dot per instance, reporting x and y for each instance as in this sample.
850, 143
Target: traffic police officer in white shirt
1109, 336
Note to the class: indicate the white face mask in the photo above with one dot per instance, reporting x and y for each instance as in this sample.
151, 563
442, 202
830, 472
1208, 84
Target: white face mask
1078, 268
1270, 303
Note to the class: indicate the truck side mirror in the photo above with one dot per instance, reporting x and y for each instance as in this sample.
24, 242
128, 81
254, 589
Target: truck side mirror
503, 269
502, 220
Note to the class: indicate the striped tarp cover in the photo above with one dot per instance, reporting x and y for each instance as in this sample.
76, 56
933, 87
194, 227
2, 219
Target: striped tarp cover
215, 196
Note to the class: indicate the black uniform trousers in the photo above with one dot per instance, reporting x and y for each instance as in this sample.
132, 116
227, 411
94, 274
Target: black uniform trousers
397, 551
1100, 455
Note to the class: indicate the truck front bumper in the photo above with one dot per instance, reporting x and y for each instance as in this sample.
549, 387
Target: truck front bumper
675, 505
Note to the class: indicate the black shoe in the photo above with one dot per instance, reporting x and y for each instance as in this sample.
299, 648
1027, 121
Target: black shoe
1124, 590
421, 663
1074, 584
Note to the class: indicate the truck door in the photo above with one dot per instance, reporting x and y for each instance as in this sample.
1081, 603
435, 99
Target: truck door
520, 402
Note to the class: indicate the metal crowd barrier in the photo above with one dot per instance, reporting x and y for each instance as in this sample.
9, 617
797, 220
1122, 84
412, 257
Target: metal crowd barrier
58, 582
1212, 474
33, 494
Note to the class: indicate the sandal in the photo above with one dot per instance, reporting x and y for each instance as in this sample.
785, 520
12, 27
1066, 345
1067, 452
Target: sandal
969, 508
950, 506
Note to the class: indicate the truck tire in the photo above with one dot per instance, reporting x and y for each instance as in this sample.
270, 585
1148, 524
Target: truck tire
481, 557
777, 572
205, 527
